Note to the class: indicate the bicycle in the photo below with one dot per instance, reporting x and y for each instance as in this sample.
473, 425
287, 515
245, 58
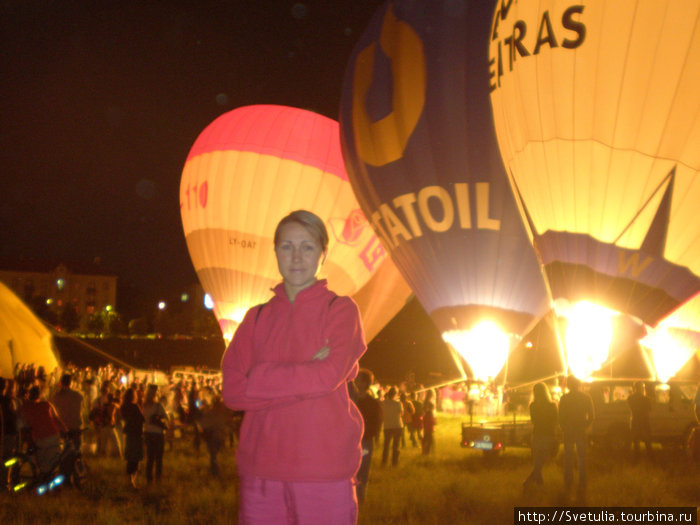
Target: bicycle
23, 473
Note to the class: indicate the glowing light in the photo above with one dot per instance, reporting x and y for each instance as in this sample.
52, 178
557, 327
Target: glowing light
184, 297
11, 462
108, 308
162, 305
208, 302
41, 489
239, 314
474, 393
55, 482
228, 328
556, 392
228, 325
588, 336
20, 486
60, 283
668, 353
49, 301
484, 347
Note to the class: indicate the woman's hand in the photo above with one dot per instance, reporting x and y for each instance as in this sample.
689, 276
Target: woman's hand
322, 353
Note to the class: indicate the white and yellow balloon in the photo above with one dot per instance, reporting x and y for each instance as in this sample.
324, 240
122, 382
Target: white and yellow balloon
597, 114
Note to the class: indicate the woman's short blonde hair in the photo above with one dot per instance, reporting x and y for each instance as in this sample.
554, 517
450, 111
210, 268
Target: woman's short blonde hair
312, 222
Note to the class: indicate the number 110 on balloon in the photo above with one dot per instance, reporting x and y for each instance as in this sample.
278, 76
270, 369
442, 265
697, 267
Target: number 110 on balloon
196, 196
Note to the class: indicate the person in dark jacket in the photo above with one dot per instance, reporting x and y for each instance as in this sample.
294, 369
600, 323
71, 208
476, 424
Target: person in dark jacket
214, 422
133, 419
429, 422
371, 410
543, 415
575, 416
392, 412
640, 407
154, 433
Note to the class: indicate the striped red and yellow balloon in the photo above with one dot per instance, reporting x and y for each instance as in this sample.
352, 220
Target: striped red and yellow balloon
249, 168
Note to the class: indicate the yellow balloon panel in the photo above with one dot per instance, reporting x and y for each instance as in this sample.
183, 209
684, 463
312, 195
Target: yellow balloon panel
559, 198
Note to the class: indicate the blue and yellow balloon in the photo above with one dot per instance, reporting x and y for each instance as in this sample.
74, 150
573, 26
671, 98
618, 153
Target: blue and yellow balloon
421, 154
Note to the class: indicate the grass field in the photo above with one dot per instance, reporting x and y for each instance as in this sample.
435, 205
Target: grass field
452, 486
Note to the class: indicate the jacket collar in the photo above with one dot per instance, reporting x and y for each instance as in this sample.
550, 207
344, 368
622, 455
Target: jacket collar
319, 288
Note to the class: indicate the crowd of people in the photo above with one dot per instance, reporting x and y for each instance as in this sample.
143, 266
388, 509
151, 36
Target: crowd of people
111, 411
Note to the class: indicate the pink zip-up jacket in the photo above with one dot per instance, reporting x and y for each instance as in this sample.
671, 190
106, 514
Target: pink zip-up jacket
299, 423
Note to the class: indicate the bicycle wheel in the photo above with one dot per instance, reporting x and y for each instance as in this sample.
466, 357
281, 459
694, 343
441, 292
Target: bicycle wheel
79, 473
22, 474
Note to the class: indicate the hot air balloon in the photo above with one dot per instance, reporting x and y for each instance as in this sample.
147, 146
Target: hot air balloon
421, 154
597, 115
249, 168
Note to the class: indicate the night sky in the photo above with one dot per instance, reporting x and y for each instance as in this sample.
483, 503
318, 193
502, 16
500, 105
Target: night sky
101, 102
101, 105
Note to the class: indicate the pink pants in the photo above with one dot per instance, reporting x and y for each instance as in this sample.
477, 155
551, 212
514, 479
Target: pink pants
268, 502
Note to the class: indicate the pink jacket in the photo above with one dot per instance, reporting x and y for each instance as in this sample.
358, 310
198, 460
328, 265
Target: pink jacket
300, 424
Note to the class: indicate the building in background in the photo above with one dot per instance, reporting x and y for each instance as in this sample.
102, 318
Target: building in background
61, 289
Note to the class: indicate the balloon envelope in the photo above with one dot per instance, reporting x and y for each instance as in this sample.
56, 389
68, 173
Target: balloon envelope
381, 298
421, 154
247, 170
597, 114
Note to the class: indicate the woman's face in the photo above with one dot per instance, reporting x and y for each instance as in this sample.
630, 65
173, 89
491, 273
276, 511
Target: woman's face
298, 256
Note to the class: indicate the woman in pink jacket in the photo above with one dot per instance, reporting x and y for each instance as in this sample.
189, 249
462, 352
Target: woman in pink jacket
287, 367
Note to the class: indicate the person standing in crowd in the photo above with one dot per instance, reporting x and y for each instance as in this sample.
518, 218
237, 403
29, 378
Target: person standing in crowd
428, 422
9, 434
69, 407
89, 436
575, 416
407, 417
104, 417
393, 424
133, 433
176, 411
640, 408
371, 411
409, 414
288, 366
154, 433
416, 427
543, 415
194, 413
214, 420
39, 417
